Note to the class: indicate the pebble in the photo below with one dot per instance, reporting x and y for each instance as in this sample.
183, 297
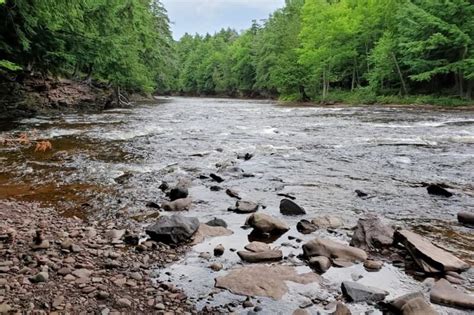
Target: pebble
216, 266
160, 307
219, 250
124, 302
40, 277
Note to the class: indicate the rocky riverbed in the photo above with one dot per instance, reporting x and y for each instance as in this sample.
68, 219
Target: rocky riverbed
308, 209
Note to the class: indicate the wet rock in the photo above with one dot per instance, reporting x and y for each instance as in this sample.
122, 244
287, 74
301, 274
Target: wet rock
247, 304
430, 258
173, 229
263, 223
216, 266
263, 280
320, 263
438, 190
40, 277
306, 227
356, 292
371, 234
217, 222
265, 256
245, 207
466, 218
205, 255
232, 193
288, 207
122, 179
178, 205
246, 156
333, 250
205, 231
373, 265
257, 247
216, 178
153, 205
327, 222
131, 239
178, 193
219, 250
360, 193
445, 294
164, 186
216, 188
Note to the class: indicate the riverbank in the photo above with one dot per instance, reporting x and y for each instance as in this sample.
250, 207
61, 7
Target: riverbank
51, 263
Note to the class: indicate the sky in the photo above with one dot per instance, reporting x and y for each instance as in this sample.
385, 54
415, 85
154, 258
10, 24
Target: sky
209, 16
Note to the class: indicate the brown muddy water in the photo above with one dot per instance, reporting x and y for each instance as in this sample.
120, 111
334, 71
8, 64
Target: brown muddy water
320, 155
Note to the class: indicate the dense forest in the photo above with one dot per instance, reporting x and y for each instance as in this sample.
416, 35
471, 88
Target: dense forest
126, 44
343, 50
318, 49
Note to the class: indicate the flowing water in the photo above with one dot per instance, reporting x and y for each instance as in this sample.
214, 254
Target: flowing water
111, 164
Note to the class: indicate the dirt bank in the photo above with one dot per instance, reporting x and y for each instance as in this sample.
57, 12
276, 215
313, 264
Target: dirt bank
26, 96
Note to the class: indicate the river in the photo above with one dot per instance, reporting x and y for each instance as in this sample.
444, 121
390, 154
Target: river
112, 163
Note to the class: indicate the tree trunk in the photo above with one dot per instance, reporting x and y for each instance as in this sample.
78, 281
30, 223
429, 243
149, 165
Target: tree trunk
402, 81
469, 85
461, 83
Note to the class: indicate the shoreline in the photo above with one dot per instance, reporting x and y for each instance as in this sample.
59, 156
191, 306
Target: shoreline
77, 266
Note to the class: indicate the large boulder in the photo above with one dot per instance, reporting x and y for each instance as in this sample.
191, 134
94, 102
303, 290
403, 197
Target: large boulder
263, 223
243, 206
466, 218
333, 250
371, 234
445, 294
356, 292
430, 258
173, 229
263, 280
288, 207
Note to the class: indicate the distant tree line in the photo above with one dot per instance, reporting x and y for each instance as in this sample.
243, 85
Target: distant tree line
316, 48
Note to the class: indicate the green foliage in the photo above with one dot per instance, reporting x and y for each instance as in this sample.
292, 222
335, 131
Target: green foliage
325, 48
125, 43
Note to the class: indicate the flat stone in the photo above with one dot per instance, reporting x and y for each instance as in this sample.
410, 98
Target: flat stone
356, 292
327, 222
445, 294
257, 247
418, 306
289, 207
206, 231
243, 206
263, 280
82, 273
252, 257
430, 258
333, 250
178, 205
